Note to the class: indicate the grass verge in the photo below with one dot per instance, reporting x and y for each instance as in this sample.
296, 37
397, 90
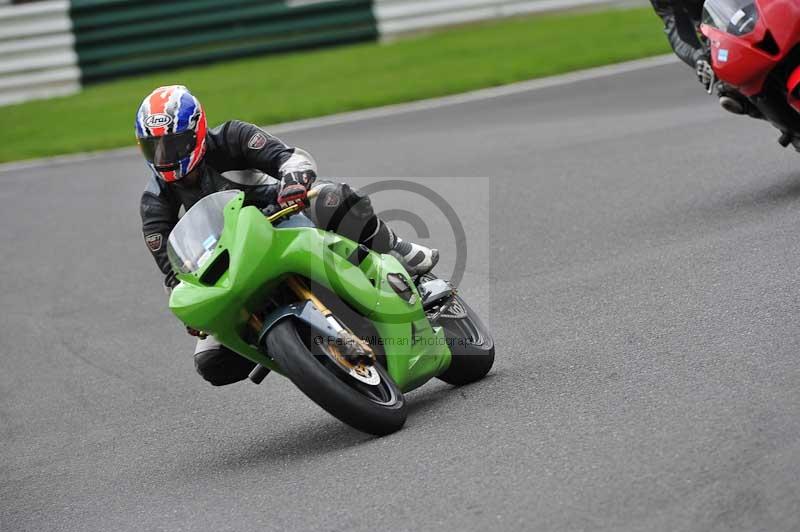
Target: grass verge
280, 88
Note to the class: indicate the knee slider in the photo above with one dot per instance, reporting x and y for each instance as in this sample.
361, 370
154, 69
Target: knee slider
360, 206
341, 209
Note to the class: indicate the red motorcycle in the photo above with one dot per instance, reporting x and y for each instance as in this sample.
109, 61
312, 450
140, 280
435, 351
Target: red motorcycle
755, 47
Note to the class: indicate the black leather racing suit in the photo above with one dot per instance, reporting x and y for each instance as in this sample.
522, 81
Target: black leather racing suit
242, 156
226, 150
681, 20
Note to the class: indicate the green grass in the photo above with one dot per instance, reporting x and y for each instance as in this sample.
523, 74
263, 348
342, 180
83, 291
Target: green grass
274, 89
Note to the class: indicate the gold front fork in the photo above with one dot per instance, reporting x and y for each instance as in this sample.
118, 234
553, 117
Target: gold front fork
304, 293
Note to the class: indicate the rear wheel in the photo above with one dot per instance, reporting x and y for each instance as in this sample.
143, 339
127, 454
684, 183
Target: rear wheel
364, 397
471, 344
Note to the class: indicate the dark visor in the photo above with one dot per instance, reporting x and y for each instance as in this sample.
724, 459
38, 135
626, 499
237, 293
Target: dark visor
169, 149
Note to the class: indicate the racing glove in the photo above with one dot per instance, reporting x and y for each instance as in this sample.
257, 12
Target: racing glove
170, 282
294, 188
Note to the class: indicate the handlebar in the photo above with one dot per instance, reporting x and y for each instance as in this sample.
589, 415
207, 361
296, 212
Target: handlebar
293, 209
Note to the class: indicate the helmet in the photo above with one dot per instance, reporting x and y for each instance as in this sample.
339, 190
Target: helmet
171, 131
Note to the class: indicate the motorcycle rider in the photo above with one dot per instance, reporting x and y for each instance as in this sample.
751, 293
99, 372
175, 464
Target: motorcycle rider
189, 161
681, 22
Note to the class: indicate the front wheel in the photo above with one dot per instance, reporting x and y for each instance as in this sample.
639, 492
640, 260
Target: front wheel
367, 399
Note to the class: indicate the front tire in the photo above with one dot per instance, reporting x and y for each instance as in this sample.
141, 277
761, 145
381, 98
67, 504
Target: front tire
378, 409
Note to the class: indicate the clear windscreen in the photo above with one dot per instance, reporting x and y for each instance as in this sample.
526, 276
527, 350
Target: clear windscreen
193, 240
737, 17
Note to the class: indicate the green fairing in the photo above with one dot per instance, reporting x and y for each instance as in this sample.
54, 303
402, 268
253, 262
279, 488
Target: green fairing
261, 256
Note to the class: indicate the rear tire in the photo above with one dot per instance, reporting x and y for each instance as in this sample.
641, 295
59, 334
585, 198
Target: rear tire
471, 345
378, 409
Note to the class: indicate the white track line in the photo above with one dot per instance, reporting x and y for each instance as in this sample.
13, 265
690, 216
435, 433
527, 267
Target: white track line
387, 111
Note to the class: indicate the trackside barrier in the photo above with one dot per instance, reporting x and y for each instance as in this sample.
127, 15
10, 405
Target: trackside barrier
37, 58
51, 47
402, 16
122, 37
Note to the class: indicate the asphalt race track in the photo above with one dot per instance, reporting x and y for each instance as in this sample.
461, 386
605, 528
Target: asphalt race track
634, 248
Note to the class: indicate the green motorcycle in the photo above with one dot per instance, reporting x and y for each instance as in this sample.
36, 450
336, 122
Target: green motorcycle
347, 325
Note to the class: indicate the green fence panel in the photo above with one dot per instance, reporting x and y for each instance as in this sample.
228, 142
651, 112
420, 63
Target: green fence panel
116, 38
110, 18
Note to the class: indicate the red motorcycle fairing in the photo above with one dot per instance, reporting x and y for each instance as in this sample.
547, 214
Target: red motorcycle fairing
745, 61
793, 88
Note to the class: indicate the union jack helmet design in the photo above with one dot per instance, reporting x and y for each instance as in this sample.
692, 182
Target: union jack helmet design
171, 131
